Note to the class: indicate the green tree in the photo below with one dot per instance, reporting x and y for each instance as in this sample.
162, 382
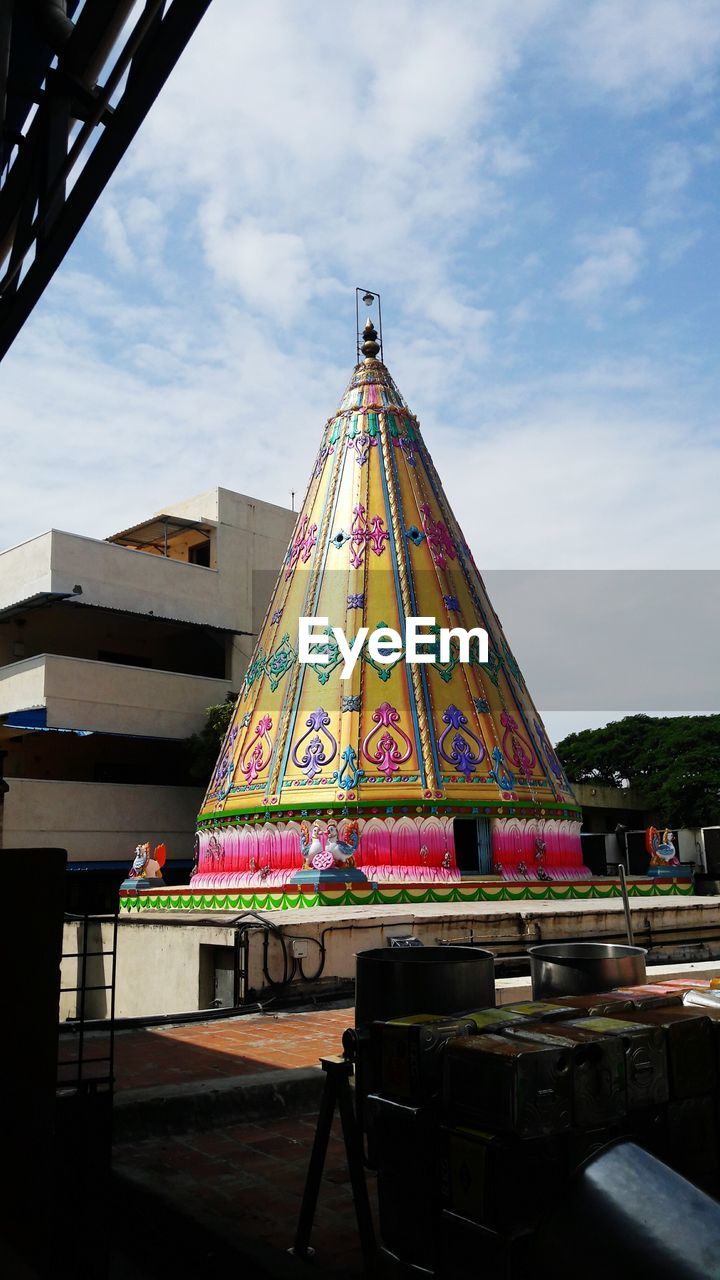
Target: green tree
203, 748
673, 760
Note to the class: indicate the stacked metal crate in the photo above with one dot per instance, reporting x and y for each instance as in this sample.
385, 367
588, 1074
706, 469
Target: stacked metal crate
478, 1122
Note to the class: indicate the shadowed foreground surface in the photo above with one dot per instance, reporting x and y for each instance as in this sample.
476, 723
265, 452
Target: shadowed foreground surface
214, 1192
244, 1184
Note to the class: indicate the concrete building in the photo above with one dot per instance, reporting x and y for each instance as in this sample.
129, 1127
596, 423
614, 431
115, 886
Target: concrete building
110, 653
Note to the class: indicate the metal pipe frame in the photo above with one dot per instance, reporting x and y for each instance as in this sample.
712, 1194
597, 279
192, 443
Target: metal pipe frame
39, 217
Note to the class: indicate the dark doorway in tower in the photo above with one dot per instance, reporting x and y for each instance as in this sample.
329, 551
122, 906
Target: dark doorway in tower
473, 845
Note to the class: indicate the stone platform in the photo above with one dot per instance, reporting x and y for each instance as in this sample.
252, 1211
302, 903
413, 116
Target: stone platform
298, 895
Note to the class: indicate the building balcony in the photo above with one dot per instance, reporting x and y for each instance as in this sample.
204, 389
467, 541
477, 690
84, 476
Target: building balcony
59, 565
52, 692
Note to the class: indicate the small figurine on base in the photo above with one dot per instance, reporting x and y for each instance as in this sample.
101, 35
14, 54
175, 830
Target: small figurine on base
663, 854
146, 869
335, 861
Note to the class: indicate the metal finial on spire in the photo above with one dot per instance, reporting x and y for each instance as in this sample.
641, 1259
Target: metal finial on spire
369, 342
370, 345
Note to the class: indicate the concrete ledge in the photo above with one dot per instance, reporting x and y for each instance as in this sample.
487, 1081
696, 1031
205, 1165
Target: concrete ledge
202, 1104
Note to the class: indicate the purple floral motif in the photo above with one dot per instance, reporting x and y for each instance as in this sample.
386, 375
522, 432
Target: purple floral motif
276, 616
389, 752
452, 604
462, 756
356, 601
516, 747
258, 751
548, 751
407, 448
362, 445
316, 755
320, 461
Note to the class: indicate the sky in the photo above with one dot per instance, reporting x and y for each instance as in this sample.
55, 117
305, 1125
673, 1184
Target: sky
532, 188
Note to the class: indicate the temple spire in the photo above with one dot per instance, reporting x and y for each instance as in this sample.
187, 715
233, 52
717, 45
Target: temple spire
370, 345
382, 763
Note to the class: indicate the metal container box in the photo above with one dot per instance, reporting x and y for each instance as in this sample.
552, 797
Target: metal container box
410, 1053
545, 1010
573, 968
408, 1180
649, 1128
395, 982
692, 1146
498, 1180
507, 1086
469, 1251
605, 1004
584, 1143
598, 1071
646, 1067
690, 1045
650, 996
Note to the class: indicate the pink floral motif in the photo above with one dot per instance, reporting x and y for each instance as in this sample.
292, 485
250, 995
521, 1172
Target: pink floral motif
438, 538
363, 535
257, 753
303, 544
393, 747
517, 749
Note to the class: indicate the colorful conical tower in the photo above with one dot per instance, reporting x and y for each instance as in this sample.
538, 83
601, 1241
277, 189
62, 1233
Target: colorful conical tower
404, 772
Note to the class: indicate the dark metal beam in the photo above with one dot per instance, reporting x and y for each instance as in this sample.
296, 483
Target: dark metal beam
38, 220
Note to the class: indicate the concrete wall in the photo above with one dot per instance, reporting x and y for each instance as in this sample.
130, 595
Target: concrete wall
99, 821
597, 797
159, 968
251, 541
165, 965
26, 570
22, 685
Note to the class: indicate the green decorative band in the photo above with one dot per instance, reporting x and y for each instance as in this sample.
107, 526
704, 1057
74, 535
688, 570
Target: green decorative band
441, 808
393, 895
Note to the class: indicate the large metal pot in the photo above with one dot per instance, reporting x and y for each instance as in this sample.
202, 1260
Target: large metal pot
394, 983
579, 968
626, 1214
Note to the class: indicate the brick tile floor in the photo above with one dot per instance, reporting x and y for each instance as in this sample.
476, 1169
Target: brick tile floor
197, 1051
245, 1181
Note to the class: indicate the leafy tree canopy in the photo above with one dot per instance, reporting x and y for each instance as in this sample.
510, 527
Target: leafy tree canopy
203, 748
673, 760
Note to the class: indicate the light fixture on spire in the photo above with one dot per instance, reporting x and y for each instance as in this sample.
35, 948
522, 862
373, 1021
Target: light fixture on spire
369, 344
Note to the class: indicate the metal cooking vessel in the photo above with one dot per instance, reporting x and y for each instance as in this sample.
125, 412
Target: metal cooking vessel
579, 968
627, 1214
395, 983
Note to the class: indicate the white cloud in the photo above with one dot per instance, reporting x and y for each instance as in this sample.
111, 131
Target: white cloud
339, 145
270, 269
612, 261
638, 52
